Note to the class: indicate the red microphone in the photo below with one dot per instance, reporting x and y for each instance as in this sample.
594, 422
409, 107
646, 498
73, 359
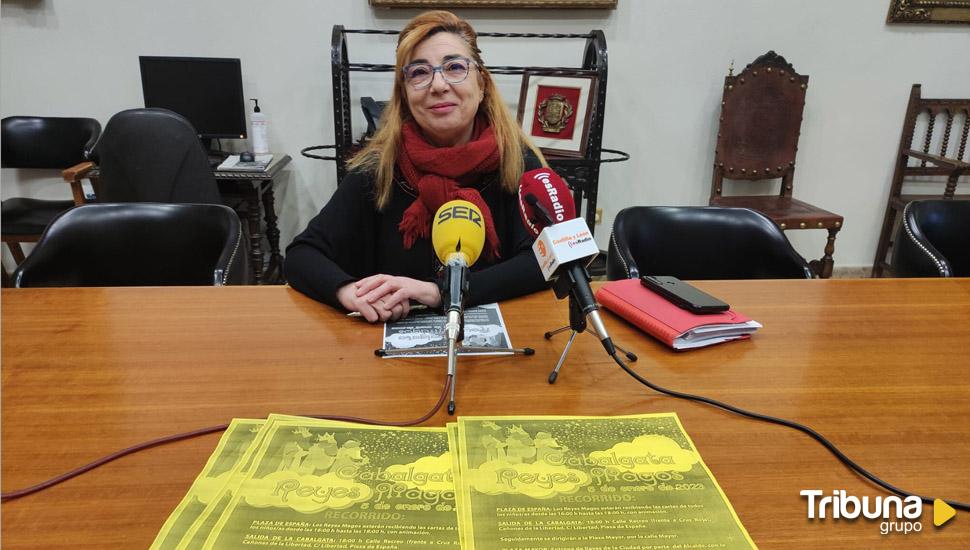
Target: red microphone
544, 200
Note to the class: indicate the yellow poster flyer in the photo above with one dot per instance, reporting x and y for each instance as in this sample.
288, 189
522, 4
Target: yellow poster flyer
610, 483
319, 484
227, 456
196, 535
452, 428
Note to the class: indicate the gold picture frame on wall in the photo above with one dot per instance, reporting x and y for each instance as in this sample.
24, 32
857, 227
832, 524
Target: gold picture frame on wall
586, 4
929, 11
556, 111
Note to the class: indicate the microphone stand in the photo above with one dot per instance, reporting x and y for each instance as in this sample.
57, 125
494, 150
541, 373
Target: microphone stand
453, 329
564, 286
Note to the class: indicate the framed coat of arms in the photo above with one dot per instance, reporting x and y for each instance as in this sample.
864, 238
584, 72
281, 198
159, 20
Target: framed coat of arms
555, 112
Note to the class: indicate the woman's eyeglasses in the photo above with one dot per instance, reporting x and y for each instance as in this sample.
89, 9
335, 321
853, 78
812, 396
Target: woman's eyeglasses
420, 75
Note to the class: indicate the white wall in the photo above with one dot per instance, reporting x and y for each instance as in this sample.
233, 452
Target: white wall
667, 61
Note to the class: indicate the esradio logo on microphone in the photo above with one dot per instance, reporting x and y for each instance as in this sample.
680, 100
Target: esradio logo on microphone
896, 515
580, 239
558, 210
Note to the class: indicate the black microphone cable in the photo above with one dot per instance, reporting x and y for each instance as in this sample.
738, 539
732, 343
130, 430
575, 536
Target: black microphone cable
790, 424
11, 495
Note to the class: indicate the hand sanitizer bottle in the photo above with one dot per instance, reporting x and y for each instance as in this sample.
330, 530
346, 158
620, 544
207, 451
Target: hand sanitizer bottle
257, 137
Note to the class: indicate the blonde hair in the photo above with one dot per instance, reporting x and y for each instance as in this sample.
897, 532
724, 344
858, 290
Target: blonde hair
380, 154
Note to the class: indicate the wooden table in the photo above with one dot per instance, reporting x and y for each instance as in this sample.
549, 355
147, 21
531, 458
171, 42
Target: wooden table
878, 366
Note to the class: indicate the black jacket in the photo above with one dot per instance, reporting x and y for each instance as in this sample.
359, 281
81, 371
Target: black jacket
349, 240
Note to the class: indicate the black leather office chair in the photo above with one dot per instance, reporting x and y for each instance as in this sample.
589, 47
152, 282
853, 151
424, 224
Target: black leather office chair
46, 143
153, 155
700, 242
933, 240
139, 244
373, 110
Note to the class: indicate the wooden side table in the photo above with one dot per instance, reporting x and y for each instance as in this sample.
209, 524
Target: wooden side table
254, 193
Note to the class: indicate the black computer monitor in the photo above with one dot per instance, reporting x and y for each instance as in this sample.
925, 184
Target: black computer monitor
205, 90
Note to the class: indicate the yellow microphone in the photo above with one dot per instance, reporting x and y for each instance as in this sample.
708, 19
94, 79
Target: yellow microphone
458, 229
458, 236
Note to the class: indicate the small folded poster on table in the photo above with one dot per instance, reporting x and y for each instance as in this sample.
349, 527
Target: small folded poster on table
485, 331
676, 327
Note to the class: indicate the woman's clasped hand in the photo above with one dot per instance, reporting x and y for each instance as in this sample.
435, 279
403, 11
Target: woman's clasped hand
387, 297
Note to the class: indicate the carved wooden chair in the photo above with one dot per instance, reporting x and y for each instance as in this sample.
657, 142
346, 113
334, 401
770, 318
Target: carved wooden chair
761, 117
943, 119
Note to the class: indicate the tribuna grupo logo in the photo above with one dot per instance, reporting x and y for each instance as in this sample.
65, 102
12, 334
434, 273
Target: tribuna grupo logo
895, 514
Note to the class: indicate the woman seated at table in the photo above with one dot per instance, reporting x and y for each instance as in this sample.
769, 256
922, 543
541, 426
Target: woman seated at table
445, 134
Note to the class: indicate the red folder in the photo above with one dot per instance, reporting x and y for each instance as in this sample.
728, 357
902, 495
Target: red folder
676, 327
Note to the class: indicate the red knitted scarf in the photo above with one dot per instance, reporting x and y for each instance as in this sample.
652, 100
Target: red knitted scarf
434, 173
